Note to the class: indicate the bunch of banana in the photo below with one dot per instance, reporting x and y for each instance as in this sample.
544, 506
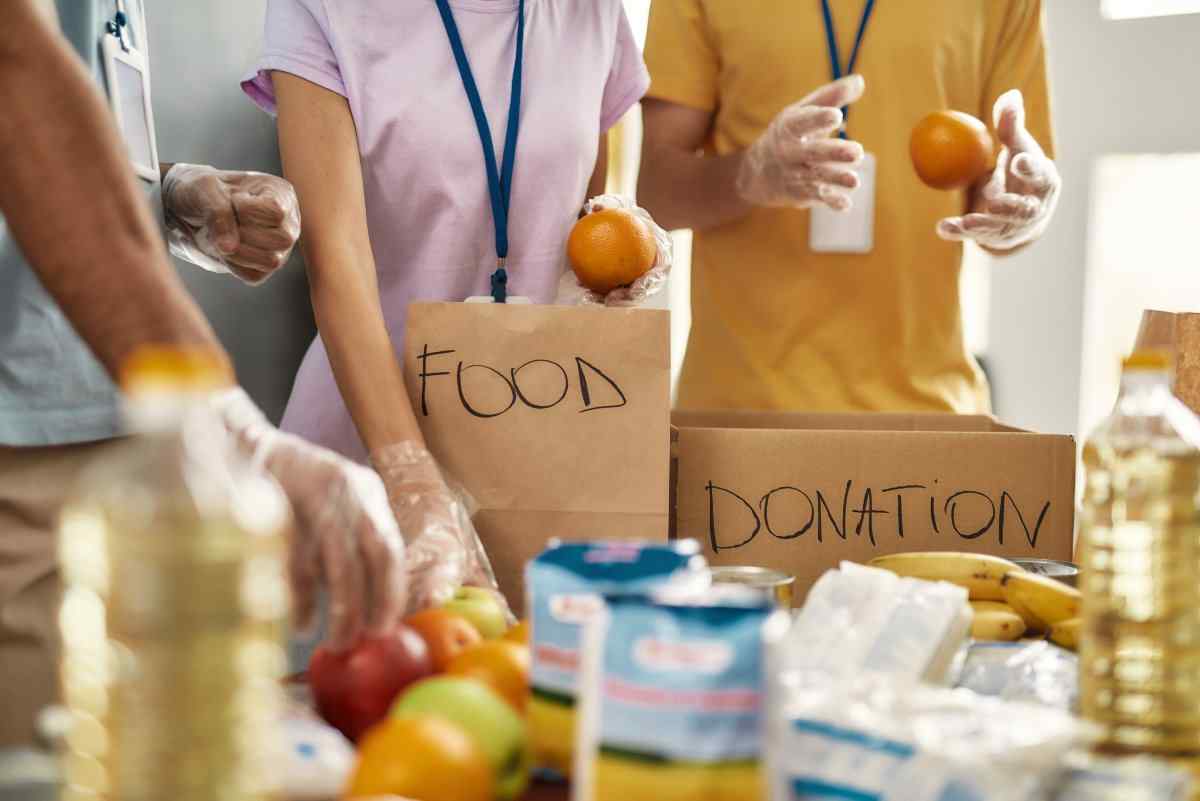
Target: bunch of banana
1008, 602
994, 620
1048, 606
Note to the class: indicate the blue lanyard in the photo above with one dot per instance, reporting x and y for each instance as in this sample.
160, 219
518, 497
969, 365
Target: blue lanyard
499, 181
835, 58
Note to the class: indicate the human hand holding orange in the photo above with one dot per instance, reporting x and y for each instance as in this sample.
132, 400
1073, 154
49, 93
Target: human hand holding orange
1016, 204
618, 254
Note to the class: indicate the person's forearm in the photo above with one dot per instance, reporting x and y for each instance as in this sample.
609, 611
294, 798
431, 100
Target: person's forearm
346, 305
70, 199
319, 145
690, 190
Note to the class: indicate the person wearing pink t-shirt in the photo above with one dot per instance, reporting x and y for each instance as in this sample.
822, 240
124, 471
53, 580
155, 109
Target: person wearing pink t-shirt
379, 137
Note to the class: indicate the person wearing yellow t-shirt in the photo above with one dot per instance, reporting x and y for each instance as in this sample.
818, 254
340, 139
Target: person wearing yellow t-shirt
825, 274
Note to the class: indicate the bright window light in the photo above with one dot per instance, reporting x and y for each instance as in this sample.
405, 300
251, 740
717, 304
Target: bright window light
1137, 9
1141, 255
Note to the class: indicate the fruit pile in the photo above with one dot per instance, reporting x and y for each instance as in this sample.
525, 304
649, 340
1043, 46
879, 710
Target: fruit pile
436, 707
1009, 603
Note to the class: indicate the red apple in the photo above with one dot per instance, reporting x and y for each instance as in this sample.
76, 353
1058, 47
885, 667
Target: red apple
354, 689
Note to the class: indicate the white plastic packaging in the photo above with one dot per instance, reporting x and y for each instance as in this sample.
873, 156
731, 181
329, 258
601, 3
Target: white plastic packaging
1090, 778
1036, 672
878, 737
861, 618
316, 760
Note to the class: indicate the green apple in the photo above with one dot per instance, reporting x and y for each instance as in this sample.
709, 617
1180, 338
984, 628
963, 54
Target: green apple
485, 716
481, 609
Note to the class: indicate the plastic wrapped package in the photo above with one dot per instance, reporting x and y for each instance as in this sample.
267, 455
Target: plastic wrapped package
1090, 778
861, 618
565, 585
879, 737
672, 688
315, 760
1038, 672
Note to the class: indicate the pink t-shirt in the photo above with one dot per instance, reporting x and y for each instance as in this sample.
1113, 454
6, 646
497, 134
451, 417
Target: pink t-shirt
428, 207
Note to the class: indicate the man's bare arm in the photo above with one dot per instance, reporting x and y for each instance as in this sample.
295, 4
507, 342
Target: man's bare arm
679, 185
70, 198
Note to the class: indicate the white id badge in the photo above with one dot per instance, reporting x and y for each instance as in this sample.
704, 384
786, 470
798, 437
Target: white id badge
127, 71
851, 231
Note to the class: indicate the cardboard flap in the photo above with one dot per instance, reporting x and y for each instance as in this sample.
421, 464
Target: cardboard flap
836, 421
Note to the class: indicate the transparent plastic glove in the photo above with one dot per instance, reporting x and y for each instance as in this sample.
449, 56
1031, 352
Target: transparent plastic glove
443, 550
796, 163
245, 223
1018, 201
572, 293
345, 536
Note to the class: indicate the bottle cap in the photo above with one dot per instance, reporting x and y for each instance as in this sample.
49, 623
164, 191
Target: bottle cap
1148, 360
152, 369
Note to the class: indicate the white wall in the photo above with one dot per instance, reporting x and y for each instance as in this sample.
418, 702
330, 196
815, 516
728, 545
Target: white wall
1118, 87
198, 51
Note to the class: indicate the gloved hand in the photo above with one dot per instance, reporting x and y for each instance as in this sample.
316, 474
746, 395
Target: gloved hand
572, 293
796, 163
443, 550
245, 223
1017, 202
345, 536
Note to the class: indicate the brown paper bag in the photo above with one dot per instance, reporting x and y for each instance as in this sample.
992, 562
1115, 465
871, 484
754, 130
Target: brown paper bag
555, 418
1180, 334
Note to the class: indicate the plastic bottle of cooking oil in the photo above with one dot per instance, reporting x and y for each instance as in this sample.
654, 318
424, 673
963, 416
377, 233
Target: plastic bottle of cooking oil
1140, 577
172, 555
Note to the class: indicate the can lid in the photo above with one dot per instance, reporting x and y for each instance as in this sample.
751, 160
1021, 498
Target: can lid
153, 369
1147, 359
747, 574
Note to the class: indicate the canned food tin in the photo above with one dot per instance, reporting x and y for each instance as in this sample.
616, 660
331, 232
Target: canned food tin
1066, 572
777, 585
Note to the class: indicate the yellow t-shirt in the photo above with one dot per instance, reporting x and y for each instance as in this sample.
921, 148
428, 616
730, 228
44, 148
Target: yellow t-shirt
776, 326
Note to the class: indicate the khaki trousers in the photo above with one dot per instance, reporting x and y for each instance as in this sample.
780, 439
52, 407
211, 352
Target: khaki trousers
34, 484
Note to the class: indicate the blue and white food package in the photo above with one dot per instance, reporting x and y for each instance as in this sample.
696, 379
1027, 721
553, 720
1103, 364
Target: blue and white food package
1091, 778
1035, 671
859, 618
672, 693
316, 760
565, 587
878, 738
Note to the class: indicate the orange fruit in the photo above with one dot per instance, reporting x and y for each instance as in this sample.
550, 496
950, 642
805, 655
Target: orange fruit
610, 248
518, 633
951, 150
501, 664
446, 634
422, 757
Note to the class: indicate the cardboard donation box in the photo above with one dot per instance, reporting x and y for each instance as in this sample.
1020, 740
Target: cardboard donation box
1179, 334
554, 418
800, 493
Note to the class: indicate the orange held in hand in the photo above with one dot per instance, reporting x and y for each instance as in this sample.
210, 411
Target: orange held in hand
610, 248
951, 150
500, 664
421, 757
